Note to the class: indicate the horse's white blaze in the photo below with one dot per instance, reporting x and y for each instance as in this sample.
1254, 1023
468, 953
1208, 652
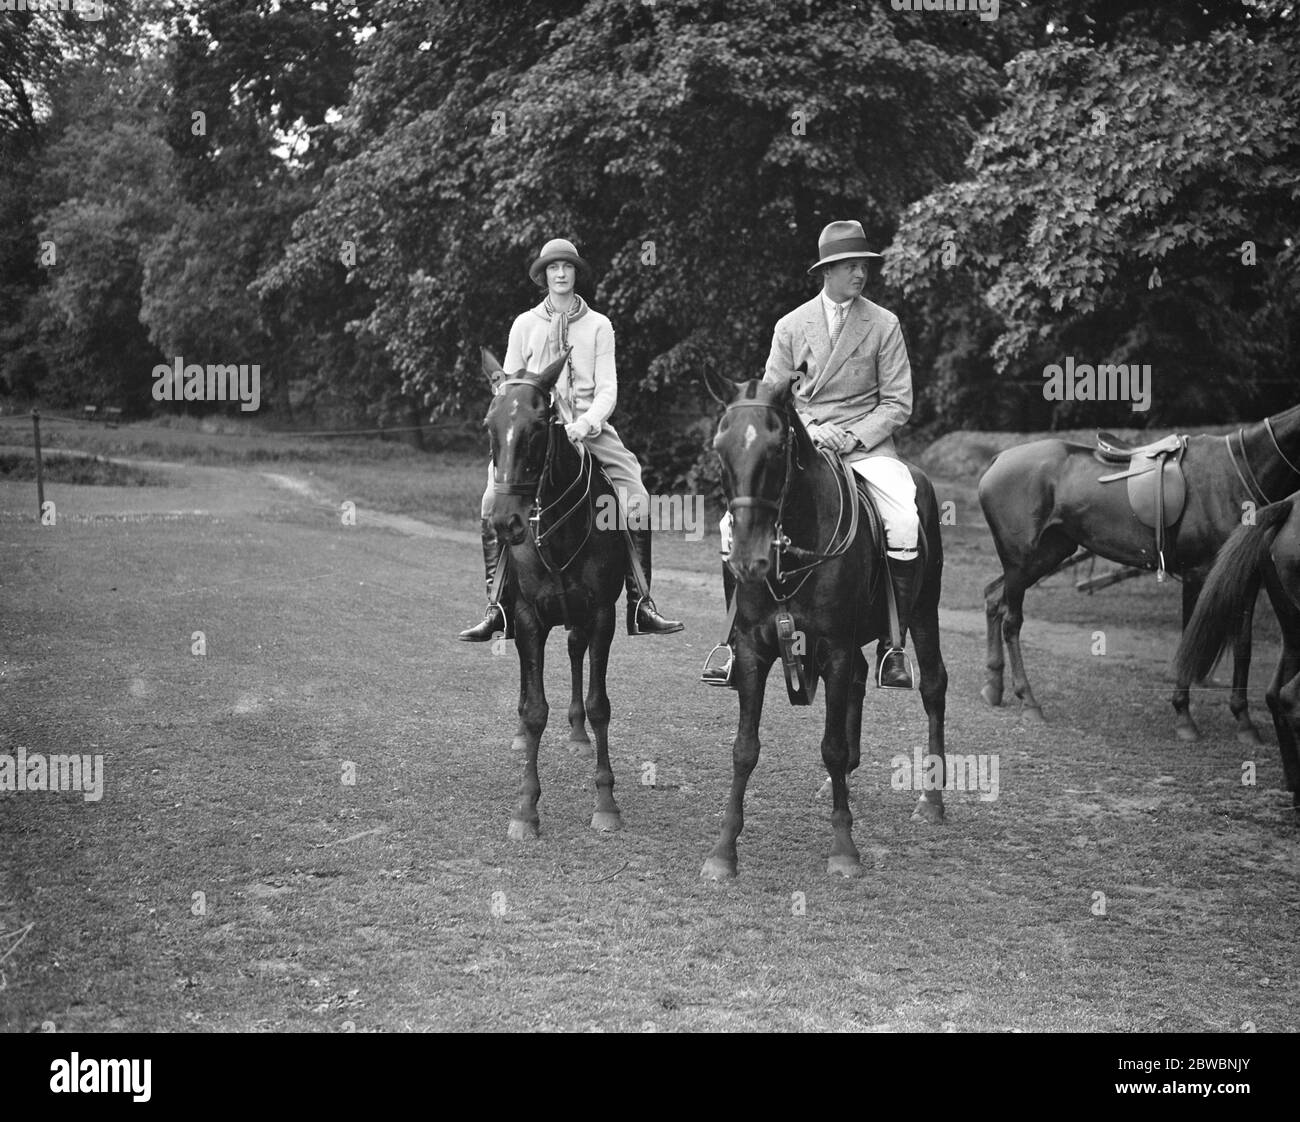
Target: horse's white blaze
751, 435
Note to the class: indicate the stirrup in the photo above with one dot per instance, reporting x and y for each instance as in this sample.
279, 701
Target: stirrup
718, 666
893, 655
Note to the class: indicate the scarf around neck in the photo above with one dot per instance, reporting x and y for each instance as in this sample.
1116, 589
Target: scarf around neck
558, 339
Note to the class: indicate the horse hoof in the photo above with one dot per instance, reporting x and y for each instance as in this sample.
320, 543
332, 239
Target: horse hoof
607, 821
520, 830
581, 748
718, 868
844, 864
926, 811
992, 696
519, 744
1248, 736
1033, 714
1187, 733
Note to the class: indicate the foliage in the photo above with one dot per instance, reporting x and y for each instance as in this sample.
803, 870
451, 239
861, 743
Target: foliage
1132, 204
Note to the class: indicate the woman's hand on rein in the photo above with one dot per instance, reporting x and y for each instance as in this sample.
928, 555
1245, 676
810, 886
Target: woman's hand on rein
578, 431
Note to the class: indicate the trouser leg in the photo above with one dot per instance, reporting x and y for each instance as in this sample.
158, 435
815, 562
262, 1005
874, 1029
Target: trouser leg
894, 493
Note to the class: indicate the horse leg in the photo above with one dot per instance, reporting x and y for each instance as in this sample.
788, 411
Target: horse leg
530, 641
1184, 727
1012, 620
607, 816
934, 696
1053, 548
1247, 733
579, 741
844, 858
1283, 696
859, 671
994, 604
752, 668
853, 715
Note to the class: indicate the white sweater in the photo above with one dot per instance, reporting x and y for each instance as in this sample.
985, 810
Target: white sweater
592, 389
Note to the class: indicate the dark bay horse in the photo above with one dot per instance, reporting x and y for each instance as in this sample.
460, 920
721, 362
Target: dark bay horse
564, 569
1269, 551
790, 550
1043, 501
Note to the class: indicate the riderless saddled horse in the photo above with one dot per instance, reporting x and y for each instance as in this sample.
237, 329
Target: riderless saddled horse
565, 568
1167, 505
1268, 549
812, 590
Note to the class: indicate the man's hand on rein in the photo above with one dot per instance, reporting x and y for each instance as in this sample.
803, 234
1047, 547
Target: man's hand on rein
833, 437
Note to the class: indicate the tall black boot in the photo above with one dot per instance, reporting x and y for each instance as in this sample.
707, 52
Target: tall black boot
643, 617
719, 665
494, 619
905, 578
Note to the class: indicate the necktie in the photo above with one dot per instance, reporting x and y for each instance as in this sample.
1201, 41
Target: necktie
839, 324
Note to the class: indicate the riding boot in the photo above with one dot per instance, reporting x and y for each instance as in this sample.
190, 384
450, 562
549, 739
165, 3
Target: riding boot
494, 619
895, 670
643, 617
721, 662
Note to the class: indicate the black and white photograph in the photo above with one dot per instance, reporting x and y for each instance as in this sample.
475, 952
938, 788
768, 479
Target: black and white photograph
650, 516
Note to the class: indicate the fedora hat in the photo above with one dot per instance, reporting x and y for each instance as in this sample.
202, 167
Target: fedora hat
840, 241
557, 249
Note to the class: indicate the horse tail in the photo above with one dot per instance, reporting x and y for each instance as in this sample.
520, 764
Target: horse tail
1224, 594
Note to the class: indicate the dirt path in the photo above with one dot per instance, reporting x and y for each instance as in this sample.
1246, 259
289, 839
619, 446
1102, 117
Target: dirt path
332, 777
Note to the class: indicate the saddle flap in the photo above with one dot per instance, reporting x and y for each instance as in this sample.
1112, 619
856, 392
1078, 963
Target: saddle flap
871, 516
1145, 500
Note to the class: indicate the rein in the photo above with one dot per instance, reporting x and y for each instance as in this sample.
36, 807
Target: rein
1257, 488
839, 543
577, 494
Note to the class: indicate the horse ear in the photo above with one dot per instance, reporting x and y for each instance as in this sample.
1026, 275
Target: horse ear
492, 369
722, 389
548, 377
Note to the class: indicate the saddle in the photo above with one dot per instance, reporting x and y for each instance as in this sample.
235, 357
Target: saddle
1157, 491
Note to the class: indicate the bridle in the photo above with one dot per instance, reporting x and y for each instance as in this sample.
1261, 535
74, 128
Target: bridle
1248, 477
576, 494
781, 543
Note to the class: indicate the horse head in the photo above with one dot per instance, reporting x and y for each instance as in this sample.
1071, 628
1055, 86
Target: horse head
520, 430
758, 442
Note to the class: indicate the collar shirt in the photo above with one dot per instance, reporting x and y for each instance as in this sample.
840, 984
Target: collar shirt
829, 306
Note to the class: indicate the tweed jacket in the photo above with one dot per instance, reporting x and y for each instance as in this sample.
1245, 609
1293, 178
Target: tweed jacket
864, 384
589, 385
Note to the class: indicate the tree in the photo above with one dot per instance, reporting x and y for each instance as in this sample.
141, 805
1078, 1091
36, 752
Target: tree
1131, 204
692, 150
